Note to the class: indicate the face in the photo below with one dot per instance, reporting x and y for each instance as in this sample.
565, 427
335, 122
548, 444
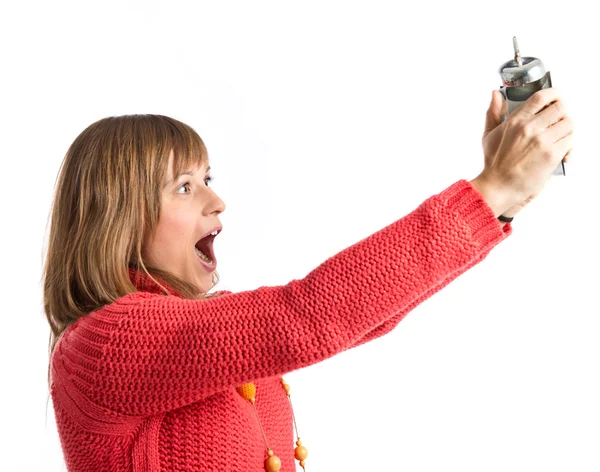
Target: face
189, 211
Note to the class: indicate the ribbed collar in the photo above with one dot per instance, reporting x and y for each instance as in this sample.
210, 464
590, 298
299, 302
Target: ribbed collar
145, 284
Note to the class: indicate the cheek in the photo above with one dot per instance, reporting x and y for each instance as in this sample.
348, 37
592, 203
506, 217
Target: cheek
175, 229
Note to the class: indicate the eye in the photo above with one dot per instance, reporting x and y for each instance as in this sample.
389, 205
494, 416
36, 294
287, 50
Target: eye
184, 185
207, 180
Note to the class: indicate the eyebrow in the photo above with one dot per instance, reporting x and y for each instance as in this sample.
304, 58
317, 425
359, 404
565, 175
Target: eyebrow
185, 172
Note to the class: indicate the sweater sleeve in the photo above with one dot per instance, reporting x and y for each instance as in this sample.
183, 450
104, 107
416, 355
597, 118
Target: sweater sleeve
148, 353
391, 323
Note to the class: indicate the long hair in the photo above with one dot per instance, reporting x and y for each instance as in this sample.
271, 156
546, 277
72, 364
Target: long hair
107, 198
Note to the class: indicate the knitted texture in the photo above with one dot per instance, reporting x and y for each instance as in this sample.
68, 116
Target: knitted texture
148, 383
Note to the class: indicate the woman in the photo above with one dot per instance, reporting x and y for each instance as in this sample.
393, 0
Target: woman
150, 372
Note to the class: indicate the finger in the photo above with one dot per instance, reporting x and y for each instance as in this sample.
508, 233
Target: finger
549, 116
493, 115
567, 156
538, 101
559, 130
563, 146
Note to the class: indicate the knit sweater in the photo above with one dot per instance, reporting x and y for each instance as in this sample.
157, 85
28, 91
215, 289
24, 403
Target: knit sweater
147, 383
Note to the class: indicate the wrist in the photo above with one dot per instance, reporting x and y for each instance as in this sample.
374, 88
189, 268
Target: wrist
492, 194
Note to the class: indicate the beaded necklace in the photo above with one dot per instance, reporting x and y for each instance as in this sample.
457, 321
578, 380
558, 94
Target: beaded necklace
273, 463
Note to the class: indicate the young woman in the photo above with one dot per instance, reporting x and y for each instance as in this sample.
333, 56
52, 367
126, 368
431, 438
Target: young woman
149, 372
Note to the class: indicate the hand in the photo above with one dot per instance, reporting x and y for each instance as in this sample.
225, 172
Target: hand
492, 136
521, 153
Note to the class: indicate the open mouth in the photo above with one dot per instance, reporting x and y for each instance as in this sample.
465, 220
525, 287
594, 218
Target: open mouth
204, 250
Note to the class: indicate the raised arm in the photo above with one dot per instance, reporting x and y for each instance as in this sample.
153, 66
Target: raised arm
148, 353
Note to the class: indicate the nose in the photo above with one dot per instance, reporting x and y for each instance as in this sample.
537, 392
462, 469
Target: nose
220, 207
214, 204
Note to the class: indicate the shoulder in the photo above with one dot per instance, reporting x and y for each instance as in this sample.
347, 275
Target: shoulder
112, 313
137, 298
141, 306
148, 304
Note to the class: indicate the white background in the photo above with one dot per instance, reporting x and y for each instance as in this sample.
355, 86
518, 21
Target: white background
326, 121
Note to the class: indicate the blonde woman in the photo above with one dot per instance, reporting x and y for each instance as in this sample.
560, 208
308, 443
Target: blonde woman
150, 373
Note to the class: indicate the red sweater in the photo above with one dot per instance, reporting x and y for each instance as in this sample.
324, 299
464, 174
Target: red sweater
147, 383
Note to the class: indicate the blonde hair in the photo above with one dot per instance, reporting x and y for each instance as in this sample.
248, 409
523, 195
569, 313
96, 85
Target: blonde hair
107, 198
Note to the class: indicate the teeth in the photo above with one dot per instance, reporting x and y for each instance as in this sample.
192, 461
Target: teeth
214, 233
202, 256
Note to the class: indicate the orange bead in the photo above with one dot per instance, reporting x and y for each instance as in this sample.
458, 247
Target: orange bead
270, 453
302, 463
298, 443
287, 388
247, 391
301, 453
273, 464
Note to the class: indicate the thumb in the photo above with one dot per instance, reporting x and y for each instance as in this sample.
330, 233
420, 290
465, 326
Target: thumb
493, 117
